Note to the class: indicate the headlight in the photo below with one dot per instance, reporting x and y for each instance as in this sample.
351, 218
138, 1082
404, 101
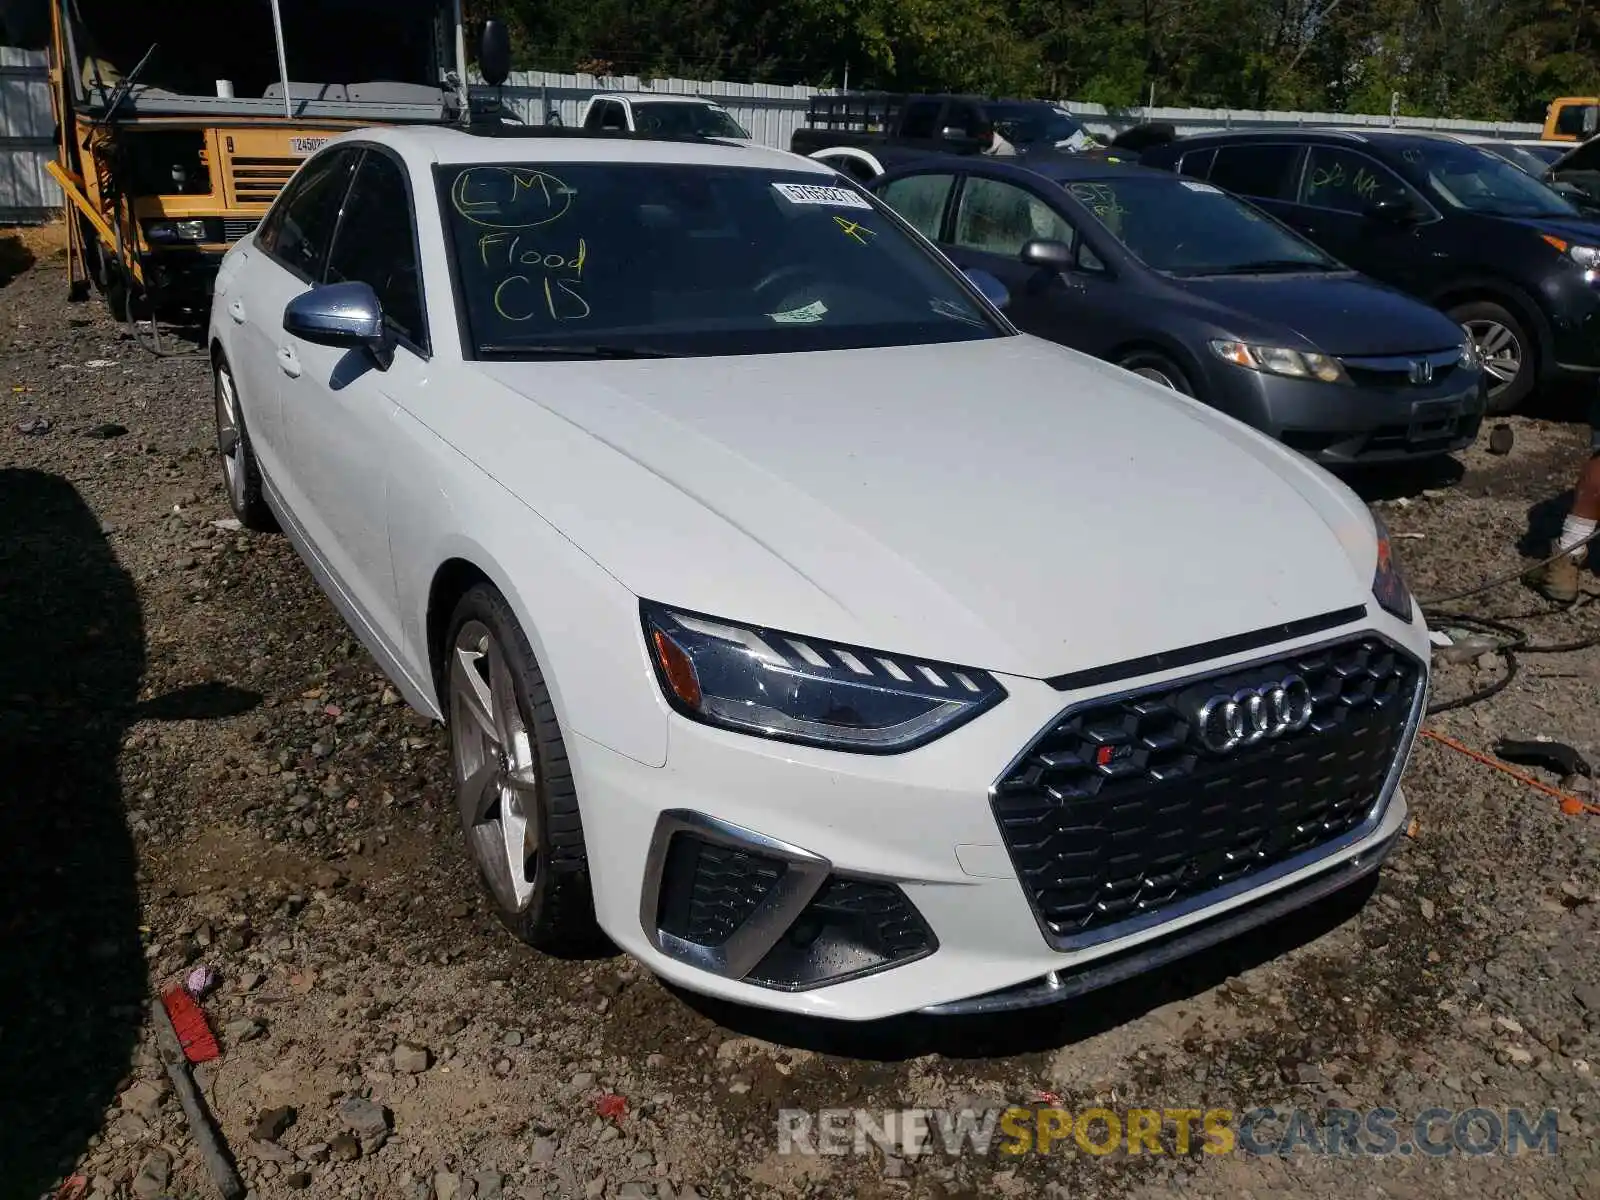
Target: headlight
799, 689
1587, 257
1388, 585
1278, 360
175, 231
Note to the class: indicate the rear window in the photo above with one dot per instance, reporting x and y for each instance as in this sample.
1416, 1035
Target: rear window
1255, 170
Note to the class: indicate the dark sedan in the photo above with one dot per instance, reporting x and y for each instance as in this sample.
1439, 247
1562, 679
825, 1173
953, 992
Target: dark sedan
1197, 290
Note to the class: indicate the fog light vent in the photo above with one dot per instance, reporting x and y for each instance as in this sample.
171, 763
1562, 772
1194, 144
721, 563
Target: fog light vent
708, 890
850, 928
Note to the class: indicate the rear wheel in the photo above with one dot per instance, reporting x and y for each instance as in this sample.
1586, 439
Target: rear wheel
514, 790
241, 475
1510, 358
1157, 368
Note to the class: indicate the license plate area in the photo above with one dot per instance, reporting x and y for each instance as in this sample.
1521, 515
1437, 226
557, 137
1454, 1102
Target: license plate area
1432, 420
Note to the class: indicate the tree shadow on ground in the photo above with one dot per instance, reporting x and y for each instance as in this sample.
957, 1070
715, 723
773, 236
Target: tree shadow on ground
72, 969
15, 257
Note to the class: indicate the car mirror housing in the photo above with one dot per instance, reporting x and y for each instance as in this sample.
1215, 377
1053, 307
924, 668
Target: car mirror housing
1048, 253
993, 290
494, 53
1395, 211
342, 314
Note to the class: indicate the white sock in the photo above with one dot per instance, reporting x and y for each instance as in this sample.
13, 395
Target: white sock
1573, 531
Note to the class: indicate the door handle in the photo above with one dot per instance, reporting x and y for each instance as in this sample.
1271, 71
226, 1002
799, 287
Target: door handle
236, 311
289, 362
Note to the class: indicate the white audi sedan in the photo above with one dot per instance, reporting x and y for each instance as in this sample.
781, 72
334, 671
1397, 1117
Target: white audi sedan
798, 624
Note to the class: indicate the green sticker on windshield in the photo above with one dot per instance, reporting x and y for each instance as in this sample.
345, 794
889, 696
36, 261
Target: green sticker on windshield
810, 314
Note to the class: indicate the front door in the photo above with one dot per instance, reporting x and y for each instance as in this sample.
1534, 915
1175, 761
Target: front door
1334, 208
340, 408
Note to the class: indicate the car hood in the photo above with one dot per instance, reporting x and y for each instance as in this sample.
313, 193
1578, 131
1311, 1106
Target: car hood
1003, 504
1336, 314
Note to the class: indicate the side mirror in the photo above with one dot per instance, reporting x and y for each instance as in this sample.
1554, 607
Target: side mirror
1047, 253
993, 290
1393, 210
341, 314
494, 53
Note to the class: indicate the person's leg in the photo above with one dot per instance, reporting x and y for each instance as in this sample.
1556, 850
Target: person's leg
1559, 579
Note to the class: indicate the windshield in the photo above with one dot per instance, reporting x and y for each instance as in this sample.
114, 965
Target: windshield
1476, 180
1034, 124
1186, 227
627, 259
1521, 158
686, 120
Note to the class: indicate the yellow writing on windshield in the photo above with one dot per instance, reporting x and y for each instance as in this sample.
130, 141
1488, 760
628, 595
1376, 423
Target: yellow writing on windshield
510, 197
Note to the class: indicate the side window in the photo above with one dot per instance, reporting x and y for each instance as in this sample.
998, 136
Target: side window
596, 114
1254, 170
304, 223
1087, 259
919, 119
1348, 181
614, 117
1197, 163
920, 199
998, 218
376, 245
963, 116
1570, 120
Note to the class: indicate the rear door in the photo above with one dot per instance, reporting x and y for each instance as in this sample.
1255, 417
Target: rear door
1265, 172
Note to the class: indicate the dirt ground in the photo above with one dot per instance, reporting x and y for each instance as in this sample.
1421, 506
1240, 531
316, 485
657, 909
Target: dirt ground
201, 766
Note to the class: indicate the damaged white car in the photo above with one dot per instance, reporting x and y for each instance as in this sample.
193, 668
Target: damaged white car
799, 624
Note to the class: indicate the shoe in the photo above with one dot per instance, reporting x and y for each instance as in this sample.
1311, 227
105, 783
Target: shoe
1557, 579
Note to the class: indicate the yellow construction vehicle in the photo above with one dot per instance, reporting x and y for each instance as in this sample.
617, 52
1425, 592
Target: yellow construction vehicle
179, 121
1571, 119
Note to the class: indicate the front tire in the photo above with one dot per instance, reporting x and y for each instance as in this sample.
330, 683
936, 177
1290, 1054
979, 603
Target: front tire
241, 474
1158, 368
514, 790
1510, 356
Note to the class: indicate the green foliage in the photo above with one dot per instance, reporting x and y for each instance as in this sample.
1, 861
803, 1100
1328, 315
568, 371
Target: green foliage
1492, 59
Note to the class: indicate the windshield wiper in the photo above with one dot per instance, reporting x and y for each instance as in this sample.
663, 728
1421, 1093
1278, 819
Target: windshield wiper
1267, 266
574, 350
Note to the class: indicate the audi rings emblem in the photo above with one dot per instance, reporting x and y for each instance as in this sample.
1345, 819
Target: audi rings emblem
1250, 715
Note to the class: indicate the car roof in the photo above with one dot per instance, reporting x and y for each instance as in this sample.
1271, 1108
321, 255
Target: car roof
1326, 135
425, 145
1058, 168
656, 97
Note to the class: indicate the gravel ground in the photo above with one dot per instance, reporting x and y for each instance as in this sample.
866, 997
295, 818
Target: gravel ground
203, 767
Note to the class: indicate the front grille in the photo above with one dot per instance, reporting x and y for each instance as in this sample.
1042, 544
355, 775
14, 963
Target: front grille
850, 928
1394, 371
708, 890
259, 180
234, 228
1116, 812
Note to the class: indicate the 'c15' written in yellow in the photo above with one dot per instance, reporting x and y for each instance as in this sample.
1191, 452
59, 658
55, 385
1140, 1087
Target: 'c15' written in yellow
521, 295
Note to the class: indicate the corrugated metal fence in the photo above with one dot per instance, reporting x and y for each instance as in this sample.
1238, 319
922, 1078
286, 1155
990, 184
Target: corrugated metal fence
769, 111
27, 133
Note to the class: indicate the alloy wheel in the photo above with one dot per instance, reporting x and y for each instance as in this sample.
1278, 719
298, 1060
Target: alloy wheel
1499, 350
496, 767
229, 443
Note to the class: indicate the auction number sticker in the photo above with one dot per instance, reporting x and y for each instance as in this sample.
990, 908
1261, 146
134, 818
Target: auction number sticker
307, 145
812, 193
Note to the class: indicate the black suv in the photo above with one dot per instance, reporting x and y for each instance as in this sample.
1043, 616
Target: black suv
1510, 260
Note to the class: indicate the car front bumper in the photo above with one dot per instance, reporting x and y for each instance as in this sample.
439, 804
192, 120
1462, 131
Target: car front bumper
922, 827
1336, 424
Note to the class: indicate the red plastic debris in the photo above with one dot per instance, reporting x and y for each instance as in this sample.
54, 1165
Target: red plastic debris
75, 1188
1047, 1098
611, 1105
189, 1022
333, 710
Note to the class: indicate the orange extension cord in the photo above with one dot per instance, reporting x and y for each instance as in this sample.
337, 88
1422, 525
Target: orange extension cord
1570, 804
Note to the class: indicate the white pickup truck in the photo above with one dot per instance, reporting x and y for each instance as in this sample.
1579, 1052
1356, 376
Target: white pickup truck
644, 112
